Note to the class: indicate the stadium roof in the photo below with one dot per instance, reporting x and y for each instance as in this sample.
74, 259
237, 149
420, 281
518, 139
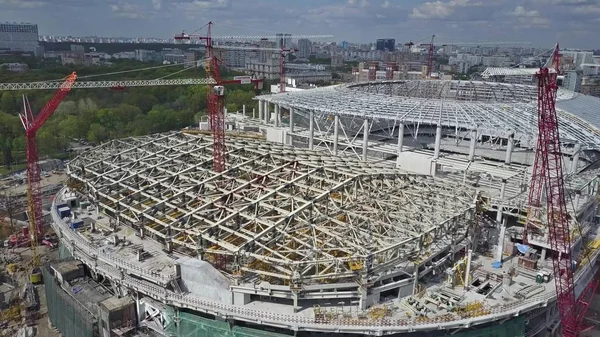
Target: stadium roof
282, 212
496, 109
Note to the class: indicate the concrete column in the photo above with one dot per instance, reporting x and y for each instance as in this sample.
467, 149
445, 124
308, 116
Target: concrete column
577, 196
416, 279
260, 110
291, 120
502, 191
468, 269
576, 158
509, 149
276, 118
365, 146
543, 255
311, 130
438, 141
253, 113
473, 144
244, 110
336, 131
500, 248
400, 142
267, 113
295, 295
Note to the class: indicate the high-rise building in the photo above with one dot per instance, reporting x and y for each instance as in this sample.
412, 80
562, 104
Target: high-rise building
386, 44
304, 48
284, 41
20, 37
266, 55
572, 80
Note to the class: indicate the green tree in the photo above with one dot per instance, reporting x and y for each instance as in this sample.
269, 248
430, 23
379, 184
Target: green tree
74, 127
7, 155
97, 133
8, 103
66, 108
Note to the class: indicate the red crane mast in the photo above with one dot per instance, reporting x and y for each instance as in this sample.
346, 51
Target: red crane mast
430, 50
34, 192
216, 97
548, 176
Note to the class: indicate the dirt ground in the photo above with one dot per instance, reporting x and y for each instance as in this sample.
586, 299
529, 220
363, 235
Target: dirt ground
57, 178
24, 256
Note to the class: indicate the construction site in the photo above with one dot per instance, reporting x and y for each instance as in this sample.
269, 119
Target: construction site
395, 207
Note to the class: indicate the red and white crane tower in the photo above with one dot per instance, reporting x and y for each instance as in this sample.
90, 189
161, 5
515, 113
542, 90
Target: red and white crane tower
32, 125
548, 175
430, 50
216, 93
216, 96
283, 50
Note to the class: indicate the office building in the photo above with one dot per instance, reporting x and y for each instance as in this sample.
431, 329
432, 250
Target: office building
19, 37
386, 44
284, 41
572, 80
304, 48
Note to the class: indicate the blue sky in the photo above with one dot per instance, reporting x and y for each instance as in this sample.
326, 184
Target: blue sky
573, 23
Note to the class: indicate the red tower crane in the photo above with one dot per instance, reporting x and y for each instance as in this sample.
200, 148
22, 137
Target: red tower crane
548, 172
216, 97
431, 49
283, 53
32, 124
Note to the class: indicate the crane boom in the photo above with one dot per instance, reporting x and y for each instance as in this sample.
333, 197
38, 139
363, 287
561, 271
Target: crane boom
184, 36
106, 84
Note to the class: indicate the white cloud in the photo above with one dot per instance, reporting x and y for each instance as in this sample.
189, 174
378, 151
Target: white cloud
385, 4
520, 11
529, 18
23, 3
440, 9
157, 4
358, 3
587, 10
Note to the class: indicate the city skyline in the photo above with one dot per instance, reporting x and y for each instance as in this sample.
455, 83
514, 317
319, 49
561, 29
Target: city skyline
541, 22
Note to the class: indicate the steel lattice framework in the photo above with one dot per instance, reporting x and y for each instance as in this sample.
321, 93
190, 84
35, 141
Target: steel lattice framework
282, 214
106, 84
496, 109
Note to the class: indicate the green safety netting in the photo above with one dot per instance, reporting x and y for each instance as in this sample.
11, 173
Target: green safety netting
512, 328
68, 316
195, 326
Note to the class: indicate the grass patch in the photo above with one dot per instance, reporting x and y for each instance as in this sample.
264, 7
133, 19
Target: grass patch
15, 168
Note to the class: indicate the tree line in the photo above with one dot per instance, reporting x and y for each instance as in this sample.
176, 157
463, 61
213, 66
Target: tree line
98, 115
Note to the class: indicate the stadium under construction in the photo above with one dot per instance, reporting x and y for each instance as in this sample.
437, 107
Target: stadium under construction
379, 208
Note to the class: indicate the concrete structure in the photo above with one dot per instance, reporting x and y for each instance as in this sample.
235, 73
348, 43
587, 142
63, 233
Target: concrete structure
357, 217
19, 37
